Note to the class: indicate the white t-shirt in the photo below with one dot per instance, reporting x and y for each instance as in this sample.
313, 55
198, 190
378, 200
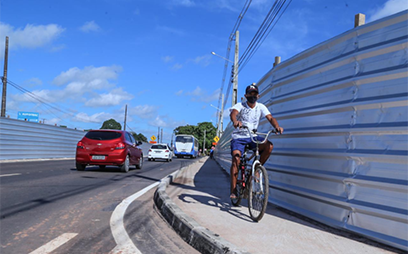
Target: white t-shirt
248, 117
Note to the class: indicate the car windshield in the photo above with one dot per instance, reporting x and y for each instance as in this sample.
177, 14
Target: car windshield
184, 139
103, 135
159, 147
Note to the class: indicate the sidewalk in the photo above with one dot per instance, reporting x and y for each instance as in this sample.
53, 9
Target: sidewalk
202, 193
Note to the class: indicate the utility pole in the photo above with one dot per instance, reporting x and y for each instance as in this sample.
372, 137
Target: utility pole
124, 127
161, 136
158, 134
204, 141
4, 95
221, 116
235, 76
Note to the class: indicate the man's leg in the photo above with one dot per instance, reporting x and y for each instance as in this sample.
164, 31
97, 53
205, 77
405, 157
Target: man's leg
265, 151
236, 155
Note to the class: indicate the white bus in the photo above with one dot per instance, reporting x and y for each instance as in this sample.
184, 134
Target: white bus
185, 145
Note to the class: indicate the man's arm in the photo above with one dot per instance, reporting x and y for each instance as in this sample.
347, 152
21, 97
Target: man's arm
233, 117
274, 123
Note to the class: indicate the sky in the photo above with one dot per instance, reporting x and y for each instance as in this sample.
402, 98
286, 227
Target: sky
88, 59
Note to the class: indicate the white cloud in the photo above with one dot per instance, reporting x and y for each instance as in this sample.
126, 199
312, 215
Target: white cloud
33, 82
144, 111
90, 26
179, 93
177, 67
201, 60
113, 98
389, 8
57, 48
170, 30
95, 118
92, 76
186, 3
167, 59
200, 95
31, 36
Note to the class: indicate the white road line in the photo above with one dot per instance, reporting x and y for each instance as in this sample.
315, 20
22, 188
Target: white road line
54, 244
16, 174
122, 239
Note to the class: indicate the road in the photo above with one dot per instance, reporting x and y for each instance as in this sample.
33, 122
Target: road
50, 205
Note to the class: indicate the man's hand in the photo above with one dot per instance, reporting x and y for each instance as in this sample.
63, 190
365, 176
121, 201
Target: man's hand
279, 130
237, 124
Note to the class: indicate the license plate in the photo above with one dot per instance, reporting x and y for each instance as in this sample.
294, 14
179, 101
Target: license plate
158, 151
98, 157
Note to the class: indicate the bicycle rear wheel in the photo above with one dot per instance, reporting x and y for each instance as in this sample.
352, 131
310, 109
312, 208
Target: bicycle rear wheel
237, 201
258, 193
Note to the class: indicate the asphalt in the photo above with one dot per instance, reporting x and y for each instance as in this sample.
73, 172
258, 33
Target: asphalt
195, 202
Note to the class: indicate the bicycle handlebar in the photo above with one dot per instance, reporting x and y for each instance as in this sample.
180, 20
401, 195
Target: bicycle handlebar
260, 133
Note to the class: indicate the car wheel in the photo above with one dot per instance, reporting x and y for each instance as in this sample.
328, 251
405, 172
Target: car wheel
125, 167
102, 167
140, 164
80, 167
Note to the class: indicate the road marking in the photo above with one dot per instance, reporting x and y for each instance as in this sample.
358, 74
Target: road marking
54, 244
16, 174
124, 243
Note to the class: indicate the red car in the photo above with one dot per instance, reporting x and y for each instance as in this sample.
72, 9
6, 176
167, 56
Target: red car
108, 147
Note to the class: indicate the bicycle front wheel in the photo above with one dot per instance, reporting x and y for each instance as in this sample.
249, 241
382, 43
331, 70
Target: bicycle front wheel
258, 193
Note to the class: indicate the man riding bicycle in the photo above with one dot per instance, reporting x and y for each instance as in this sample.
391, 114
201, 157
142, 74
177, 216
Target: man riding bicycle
248, 114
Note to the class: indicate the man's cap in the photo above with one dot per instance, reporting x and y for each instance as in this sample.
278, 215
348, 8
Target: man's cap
251, 88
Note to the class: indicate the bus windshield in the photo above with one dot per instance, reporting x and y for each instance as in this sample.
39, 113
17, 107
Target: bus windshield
184, 139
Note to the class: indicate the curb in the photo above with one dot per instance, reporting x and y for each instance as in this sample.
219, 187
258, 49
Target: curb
202, 239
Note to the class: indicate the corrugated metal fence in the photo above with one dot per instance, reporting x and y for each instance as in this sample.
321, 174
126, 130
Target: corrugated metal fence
343, 157
29, 140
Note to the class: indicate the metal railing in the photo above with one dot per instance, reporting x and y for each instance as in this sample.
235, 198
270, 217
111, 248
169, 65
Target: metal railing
30, 140
344, 106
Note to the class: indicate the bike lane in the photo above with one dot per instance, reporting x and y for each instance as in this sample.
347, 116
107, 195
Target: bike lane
202, 194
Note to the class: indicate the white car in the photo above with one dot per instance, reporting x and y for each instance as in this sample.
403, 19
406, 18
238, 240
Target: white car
160, 151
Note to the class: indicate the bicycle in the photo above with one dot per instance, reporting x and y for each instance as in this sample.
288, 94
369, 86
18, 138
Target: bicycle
253, 182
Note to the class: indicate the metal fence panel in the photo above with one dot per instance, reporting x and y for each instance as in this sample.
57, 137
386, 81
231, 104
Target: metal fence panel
30, 140
344, 106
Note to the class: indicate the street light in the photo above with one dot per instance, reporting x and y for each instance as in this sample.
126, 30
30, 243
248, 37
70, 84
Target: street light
222, 57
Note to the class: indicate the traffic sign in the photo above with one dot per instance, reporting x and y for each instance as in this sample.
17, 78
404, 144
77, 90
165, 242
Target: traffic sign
216, 138
152, 142
28, 116
153, 137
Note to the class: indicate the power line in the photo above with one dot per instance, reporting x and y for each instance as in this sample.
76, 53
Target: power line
263, 31
44, 102
230, 39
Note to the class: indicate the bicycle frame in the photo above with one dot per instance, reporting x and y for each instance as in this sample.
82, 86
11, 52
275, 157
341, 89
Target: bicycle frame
257, 156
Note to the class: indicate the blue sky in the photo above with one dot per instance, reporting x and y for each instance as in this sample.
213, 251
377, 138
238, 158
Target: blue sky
90, 58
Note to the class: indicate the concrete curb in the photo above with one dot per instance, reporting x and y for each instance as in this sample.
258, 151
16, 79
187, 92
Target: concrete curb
190, 231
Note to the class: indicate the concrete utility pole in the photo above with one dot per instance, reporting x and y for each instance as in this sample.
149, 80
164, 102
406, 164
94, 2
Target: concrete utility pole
161, 136
359, 19
220, 126
204, 140
158, 134
124, 127
235, 76
4, 95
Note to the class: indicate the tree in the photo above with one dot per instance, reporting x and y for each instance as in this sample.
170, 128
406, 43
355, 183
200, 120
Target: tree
111, 124
139, 137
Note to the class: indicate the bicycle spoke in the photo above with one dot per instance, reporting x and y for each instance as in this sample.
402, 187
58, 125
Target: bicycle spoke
259, 191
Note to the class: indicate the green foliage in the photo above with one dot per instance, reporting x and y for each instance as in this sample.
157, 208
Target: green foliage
111, 124
198, 132
139, 137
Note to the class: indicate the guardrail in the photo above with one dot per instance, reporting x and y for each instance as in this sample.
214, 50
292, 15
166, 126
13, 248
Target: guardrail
344, 106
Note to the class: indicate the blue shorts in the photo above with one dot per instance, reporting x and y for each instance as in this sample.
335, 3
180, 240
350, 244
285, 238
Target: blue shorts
240, 143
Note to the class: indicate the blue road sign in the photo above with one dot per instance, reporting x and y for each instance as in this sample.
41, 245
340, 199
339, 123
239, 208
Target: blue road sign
29, 116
